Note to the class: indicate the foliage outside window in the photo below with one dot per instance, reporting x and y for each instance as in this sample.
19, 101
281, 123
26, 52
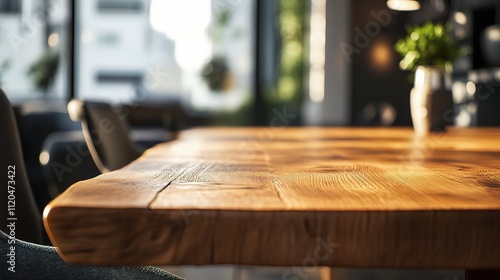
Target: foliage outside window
288, 90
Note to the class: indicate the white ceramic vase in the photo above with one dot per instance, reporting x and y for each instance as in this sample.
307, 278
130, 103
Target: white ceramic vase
430, 99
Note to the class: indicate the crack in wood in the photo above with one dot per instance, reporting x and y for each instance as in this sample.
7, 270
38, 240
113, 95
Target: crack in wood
157, 195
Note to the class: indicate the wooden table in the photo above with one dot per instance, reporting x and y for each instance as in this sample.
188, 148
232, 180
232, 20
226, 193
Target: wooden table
339, 197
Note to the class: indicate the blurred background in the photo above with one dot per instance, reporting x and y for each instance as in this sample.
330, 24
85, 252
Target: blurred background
231, 62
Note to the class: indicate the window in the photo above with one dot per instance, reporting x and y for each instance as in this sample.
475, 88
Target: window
167, 49
33, 48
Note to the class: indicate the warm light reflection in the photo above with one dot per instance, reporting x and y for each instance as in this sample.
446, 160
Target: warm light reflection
471, 88
403, 5
460, 18
388, 114
463, 119
473, 76
53, 40
460, 33
381, 55
493, 34
317, 47
459, 91
317, 85
44, 157
185, 25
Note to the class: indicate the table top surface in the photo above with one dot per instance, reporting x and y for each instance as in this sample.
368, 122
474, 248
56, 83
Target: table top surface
356, 197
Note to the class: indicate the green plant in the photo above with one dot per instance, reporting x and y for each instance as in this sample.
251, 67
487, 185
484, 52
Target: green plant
44, 70
430, 44
216, 74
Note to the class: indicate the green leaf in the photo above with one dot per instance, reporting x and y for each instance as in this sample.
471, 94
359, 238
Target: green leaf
429, 44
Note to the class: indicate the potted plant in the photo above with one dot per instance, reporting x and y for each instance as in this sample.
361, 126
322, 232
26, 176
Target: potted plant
428, 51
217, 75
44, 70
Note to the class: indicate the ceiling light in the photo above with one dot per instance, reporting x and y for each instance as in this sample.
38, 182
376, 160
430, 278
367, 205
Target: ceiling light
403, 5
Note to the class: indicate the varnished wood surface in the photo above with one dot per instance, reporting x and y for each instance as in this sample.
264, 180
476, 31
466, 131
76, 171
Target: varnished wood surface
274, 196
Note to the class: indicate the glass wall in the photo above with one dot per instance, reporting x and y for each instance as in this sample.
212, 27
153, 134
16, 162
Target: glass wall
283, 60
33, 48
197, 52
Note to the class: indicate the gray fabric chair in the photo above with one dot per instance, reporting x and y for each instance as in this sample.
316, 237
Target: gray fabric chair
30, 260
105, 133
33, 261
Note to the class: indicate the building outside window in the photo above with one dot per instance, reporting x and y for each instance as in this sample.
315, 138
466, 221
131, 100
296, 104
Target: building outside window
33, 48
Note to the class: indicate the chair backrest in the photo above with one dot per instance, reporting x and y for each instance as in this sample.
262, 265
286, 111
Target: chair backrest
36, 120
59, 172
33, 260
105, 133
19, 211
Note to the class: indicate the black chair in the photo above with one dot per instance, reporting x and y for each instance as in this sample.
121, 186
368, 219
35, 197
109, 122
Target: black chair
23, 222
66, 160
29, 224
36, 120
105, 133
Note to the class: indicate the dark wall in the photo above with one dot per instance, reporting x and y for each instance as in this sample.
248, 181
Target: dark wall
376, 76
375, 81
482, 14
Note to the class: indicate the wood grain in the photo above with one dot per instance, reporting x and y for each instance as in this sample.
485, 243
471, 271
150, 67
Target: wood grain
275, 196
